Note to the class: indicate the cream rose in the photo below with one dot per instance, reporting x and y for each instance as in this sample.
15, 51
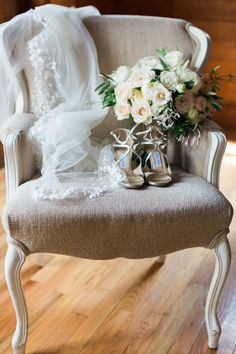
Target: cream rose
121, 74
141, 75
174, 58
184, 103
141, 111
123, 91
200, 103
160, 95
157, 93
122, 110
150, 62
169, 79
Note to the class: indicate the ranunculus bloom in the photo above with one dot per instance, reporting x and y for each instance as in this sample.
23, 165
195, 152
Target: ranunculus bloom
141, 111
184, 103
174, 58
169, 79
122, 110
200, 103
123, 91
121, 74
193, 116
205, 86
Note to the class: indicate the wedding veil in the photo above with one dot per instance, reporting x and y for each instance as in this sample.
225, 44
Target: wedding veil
54, 50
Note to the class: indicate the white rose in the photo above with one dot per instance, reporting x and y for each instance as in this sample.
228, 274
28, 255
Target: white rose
141, 112
123, 91
200, 103
121, 74
184, 103
174, 58
150, 62
169, 79
186, 74
157, 93
141, 75
122, 110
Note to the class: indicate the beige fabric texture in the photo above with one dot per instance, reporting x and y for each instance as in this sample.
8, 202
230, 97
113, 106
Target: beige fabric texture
19, 124
125, 223
122, 40
194, 158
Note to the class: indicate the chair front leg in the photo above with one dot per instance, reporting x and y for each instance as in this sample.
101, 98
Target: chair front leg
221, 249
14, 261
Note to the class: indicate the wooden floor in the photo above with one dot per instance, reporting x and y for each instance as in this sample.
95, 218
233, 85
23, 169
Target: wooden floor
123, 306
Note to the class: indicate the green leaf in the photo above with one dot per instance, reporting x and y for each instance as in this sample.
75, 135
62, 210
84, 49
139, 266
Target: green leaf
162, 51
216, 106
107, 77
164, 65
104, 89
100, 86
189, 84
214, 70
157, 71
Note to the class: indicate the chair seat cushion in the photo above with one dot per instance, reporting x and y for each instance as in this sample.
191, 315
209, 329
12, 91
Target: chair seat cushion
124, 223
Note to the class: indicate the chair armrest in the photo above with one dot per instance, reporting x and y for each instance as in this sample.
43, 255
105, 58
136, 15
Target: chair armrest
203, 159
18, 153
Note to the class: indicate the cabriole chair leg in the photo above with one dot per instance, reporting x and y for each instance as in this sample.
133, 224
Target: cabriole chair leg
221, 250
14, 261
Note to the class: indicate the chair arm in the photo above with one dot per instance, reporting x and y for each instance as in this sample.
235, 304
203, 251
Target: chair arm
18, 153
202, 159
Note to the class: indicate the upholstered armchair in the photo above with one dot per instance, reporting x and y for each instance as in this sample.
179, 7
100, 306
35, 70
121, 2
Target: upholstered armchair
191, 212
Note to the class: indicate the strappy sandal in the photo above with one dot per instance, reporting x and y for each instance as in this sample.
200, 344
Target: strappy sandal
157, 171
124, 147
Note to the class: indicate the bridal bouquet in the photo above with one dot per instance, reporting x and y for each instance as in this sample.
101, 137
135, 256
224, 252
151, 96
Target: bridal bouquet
165, 90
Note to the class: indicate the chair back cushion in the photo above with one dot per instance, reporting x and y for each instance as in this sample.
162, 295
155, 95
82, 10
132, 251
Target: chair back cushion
122, 40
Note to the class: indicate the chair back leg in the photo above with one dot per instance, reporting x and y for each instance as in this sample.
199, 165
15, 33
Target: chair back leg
221, 250
14, 261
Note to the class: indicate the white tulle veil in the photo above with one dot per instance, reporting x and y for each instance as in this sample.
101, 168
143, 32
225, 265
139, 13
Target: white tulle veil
52, 47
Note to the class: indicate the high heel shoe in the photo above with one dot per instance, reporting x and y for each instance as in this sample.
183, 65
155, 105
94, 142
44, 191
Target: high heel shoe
124, 147
157, 171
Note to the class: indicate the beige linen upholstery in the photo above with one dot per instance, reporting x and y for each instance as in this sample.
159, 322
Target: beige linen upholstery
124, 223
195, 158
18, 125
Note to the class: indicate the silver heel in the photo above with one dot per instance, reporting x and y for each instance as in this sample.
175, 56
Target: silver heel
124, 147
158, 173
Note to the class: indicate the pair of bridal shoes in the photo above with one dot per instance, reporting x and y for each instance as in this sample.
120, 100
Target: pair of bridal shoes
154, 168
